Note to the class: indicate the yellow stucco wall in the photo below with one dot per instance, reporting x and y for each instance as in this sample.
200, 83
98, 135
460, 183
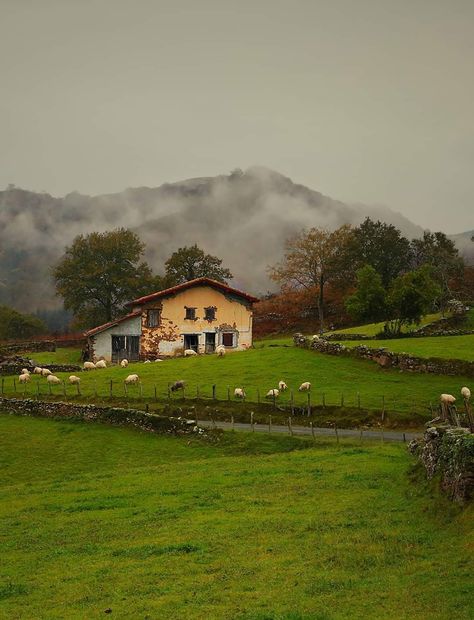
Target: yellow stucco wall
233, 314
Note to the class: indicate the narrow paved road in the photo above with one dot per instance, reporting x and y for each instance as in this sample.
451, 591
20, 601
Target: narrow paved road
304, 430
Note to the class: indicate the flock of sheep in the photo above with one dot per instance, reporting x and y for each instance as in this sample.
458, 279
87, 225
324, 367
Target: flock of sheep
274, 392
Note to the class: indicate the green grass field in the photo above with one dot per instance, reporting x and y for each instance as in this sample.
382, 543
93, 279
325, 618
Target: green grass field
448, 347
372, 329
63, 355
96, 518
262, 368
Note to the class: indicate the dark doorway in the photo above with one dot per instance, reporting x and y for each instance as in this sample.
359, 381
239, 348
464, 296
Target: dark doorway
210, 343
125, 347
191, 341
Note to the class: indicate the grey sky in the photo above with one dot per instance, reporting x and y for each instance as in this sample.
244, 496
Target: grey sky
364, 100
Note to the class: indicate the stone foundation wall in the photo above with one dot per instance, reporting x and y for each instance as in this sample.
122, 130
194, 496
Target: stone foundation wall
107, 415
388, 359
448, 453
28, 347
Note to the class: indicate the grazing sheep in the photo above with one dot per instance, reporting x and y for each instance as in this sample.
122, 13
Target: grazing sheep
447, 399
24, 377
147, 362
189, 352
272, 393
124, 363
282, 386
177, 385
37, 370
53, 379
316, 337
466, 393
220, 350
89, 366
101, 364
132, 379
305, 387
74, 380
45, 372
25, 371
239, 393
158, 360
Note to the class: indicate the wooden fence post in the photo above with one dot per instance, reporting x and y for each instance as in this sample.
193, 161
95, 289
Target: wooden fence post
324, 400
156, 394
342, 399
78, 389
274, 398
228, 392
125, 389
309, 404
269, 423
232, 422
290, 427
251, 421
64, 389
292, 402
312, 429
14, 385
214, 392
337, 434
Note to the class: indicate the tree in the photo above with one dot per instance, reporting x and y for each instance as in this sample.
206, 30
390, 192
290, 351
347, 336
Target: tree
15, 325
410, 297
99, 272
313, 259
191, 262
436, 250
382, 246
368, 303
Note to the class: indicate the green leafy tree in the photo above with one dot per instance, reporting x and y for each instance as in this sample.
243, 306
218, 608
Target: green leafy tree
312, 260
436, 250
382, 246
368, 303
100, 272
410, 297
191, 262
15, 325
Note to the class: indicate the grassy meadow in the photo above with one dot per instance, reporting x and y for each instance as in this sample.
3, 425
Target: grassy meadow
372, 329
448, 347
259, 370
97, 519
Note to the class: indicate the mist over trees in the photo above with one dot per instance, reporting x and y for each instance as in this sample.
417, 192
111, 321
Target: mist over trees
15, 325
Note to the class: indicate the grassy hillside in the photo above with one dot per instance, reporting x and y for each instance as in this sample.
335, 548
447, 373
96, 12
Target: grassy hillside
261, 369
63, 355
95, 518
372, 329
449, 347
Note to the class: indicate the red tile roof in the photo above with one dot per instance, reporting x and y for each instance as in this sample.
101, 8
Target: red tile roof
196, 282
101, 328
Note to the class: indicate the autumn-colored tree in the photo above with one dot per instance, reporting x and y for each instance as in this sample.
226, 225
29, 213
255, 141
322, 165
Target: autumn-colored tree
312, 260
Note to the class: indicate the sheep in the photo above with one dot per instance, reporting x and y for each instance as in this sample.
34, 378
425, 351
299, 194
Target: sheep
158, 360
447, 399
274, 393
466, 393
124, 363
37, 370
189, 352
282, 386
177, 385
46, 372
88, 366
316, 337
132, 379
74, 380
24, 377
305, 387
220, 350
101, 364
53, 380
25, 371
239, 393
147, 362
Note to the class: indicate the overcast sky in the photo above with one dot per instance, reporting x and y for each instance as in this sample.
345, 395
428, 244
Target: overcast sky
364, 100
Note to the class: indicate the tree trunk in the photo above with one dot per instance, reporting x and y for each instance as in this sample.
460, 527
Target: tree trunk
321, 304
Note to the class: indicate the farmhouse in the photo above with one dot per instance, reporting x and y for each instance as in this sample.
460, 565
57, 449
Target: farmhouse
200, 315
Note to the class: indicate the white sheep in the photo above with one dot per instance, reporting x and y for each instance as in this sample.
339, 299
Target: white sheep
274, 393
239, 393
158, 360
25, 371
24, 377
53, 380
74, 380
305, 387
124, 363
101, 364
37, 370
466, 393
447, 399
88, 366
46, 372
132, 379
316, 337
220, 350
147, 362
189, 352
282, 386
